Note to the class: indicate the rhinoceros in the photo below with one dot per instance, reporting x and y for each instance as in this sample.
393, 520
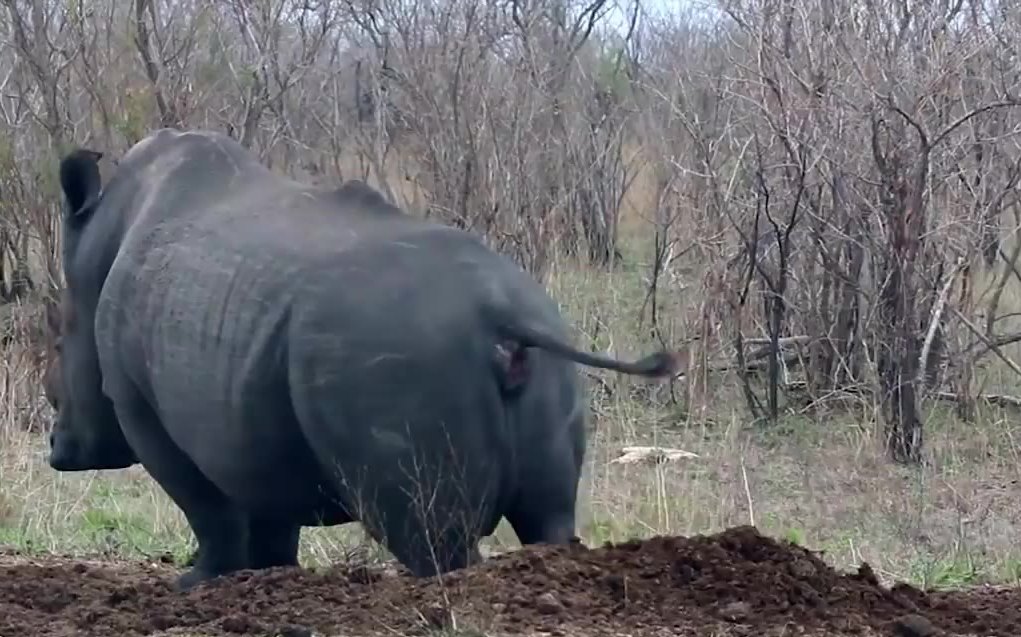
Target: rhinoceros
277, 355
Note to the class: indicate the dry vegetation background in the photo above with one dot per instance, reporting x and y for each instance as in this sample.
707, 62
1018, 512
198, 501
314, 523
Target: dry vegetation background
818, 198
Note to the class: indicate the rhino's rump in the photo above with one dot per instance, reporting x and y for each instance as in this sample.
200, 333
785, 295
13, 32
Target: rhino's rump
390, 373
401, 393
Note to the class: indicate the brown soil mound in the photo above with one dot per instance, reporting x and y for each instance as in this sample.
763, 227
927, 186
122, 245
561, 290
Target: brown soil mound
737, 582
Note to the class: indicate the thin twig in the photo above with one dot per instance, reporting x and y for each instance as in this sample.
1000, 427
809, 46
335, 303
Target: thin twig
748, 495
985, 340
937, 312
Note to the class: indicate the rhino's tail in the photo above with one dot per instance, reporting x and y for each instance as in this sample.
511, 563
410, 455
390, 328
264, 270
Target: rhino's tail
658, 364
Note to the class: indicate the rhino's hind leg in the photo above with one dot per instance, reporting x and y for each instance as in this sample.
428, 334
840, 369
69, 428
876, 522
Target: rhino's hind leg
435, 553
272, 543
221, 530
426, 544
543, 512
542, 525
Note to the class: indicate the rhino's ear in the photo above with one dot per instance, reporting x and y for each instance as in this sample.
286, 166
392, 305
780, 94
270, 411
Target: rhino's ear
81, 182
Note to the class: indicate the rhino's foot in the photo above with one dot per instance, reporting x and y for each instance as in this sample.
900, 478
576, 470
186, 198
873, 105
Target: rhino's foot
270, 544
209, 563
193, 578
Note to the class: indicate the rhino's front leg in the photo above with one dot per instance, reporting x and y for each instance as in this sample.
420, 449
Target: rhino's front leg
272, 543
220, 528
221, 537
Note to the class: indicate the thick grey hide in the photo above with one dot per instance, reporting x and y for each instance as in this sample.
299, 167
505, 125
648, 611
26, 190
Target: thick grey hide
279, 355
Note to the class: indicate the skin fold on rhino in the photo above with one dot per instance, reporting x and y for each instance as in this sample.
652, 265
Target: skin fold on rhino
277, 356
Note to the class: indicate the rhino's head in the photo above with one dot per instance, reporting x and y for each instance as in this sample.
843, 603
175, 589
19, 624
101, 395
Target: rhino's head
86, 434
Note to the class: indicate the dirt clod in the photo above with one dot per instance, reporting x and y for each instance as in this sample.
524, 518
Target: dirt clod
735, 611
913, 626
547, 604
735, 583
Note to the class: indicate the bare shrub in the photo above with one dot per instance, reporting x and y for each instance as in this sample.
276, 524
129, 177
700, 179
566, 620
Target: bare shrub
840, 162
830, 203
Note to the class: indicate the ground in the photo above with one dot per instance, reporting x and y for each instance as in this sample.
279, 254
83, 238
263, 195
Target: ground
737, 582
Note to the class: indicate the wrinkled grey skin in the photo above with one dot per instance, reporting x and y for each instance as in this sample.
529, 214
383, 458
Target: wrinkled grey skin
278, 356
